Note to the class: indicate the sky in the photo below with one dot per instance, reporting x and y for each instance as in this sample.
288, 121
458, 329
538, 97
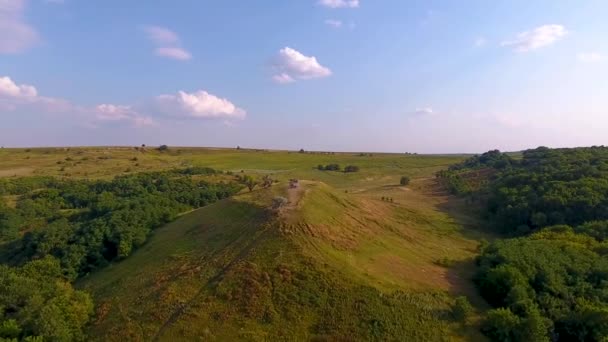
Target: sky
334, 75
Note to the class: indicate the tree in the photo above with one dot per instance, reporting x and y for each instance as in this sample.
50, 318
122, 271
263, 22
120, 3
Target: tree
462, 309
321, 167
351, 168
405, 180
163, 148
249, 182
267, 181
501, 325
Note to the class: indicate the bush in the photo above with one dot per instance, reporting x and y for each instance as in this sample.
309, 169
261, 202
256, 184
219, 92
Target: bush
351, 168
501, 325
279, 202
405, 180
462, 309
163, 147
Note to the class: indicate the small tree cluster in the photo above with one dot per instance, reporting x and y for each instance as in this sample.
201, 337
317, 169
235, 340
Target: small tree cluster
351, 168
329, 167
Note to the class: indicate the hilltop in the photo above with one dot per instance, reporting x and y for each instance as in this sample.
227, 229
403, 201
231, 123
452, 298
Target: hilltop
329, 265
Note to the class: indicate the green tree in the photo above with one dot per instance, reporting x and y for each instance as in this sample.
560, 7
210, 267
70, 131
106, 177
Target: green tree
405, 180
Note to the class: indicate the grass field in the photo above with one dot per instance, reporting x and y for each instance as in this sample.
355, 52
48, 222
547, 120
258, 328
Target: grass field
338, 261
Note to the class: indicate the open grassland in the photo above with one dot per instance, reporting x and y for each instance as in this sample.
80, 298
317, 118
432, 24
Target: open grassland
340, 262
103, 162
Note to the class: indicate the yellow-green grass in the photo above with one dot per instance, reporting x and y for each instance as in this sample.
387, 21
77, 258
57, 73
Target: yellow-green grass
225, 271
104, 162
235, 271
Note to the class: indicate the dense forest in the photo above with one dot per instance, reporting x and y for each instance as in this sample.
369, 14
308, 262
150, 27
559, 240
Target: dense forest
548, 279
57, 230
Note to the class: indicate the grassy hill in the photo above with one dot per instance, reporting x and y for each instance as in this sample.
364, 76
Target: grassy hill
353, 256
330, 266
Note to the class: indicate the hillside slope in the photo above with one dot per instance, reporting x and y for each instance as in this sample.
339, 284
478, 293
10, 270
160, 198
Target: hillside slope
329, 266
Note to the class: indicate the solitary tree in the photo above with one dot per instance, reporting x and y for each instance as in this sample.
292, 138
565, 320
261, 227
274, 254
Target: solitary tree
163, 147
405, 180
267, 181
249, 182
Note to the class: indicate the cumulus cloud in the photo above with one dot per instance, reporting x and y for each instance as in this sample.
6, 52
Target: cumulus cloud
291, 64
199, 104
8, 88
195, 105
589, 57
15, 34
339, 3
333, 23
173, 52
167, 42
537, 38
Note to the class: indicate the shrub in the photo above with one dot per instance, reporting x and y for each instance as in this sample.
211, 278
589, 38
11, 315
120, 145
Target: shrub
351, 168
462, 309
163, 147
405, 180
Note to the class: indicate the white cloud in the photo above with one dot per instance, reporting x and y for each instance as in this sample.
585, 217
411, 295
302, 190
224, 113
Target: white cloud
161, 35
116, 113
537, 38
290, 65
283, 78
333, 23
199, 104
424, 111
15, 34
479, 42
589, 57
339, 3
8, 88
167, 42
174, 53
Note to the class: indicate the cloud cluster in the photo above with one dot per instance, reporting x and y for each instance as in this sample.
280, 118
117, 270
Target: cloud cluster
15, 34
168, 43
537, 38
339, 3
196, 105
291, 65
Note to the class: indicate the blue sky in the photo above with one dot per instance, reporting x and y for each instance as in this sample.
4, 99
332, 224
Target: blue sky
366, 75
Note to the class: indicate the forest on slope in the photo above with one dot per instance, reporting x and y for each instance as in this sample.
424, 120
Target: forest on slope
548, 279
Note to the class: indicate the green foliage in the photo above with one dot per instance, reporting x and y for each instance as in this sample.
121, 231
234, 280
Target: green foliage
249, 182
553, 272
163, 148
462, 309
330, 167
405, 180
351, 168
36, 301
88, 224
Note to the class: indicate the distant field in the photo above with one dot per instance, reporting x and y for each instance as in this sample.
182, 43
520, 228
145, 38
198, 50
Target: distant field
103, 162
